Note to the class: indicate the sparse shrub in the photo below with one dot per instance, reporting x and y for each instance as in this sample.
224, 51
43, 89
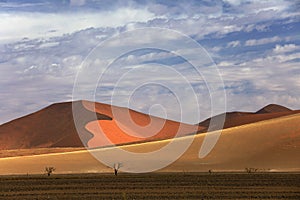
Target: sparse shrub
49, 170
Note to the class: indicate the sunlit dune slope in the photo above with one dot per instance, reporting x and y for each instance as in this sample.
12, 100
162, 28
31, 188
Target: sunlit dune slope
128, 126
267, 145
36, 151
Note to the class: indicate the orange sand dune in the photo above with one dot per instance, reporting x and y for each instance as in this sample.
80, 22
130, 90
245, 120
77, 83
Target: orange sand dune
270, 145
101, 125
128, 126
52, 126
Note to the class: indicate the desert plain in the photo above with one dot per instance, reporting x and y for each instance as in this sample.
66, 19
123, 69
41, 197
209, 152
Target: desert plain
255, 156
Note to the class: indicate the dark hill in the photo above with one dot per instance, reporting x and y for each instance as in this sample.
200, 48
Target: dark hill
273, 108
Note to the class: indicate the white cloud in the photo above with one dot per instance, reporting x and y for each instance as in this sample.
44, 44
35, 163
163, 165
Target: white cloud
235, 43
225, 64
276, 58
257, 6
32, 25
233, 2
44, 69
270, 77
255, 42
285, 48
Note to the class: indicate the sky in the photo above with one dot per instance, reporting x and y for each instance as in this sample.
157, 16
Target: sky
255, 45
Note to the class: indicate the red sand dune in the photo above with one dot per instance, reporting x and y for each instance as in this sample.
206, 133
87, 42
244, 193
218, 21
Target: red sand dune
101, 125
269, 146
129, 126
54, 126
241, 118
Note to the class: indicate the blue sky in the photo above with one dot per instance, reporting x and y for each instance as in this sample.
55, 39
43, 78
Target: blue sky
255, 45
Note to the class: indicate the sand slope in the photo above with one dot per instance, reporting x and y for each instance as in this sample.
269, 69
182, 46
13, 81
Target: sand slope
99, 125
54, 126
273, 108
270, 145
128, 126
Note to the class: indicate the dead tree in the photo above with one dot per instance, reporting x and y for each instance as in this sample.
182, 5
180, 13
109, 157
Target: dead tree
116, 168
251, 170
49, 170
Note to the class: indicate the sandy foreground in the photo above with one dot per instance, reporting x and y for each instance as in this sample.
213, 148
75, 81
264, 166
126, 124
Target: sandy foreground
271, 145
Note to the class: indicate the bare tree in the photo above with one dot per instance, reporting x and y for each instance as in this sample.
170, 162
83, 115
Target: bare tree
49, 170
251, 170
117, 167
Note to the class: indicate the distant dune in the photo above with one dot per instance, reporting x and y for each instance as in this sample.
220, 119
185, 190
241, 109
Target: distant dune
233, 119
269, 145
273, 108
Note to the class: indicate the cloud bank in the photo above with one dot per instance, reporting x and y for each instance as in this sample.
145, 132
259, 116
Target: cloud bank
255, 44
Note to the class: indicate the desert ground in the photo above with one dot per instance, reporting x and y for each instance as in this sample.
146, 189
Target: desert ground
152, 186
266, 143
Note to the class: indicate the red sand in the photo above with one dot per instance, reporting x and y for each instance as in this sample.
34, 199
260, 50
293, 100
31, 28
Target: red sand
129, 126
54, 126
